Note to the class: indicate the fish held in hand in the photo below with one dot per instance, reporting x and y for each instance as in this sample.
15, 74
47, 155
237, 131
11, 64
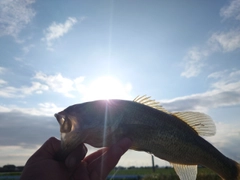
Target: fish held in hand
174, 137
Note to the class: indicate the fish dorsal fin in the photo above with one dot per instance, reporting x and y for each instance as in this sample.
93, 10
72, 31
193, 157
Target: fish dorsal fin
149, 102
200, 122
185, 172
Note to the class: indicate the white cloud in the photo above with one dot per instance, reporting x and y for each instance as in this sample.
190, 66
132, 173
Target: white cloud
196, 57
101, 88
27, 48
226, 139
232, 10
14, 16
2, 82
194, 62
228, 41
16, 155
218, 74
43, 109
48, 108
225, 91
2, 70
12, 92
56, 30
18, 58
57, 83
225, 41
26, 130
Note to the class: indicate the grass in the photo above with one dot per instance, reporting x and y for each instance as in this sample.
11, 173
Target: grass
164, 173
147, 173
10, 173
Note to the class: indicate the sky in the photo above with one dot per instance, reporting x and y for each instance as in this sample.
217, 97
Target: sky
185, 54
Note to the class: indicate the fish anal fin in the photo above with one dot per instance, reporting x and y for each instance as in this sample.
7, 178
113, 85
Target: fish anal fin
185, 172
200, 122
146, 100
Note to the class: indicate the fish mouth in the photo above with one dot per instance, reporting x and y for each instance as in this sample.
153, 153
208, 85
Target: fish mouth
60, 118
64, 122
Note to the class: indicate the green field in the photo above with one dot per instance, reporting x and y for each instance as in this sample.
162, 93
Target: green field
164, 173
10, 173
147, 173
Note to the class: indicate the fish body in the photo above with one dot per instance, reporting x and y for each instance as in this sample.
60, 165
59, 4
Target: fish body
174, 137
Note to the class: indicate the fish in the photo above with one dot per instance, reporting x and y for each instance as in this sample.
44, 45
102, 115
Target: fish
172, 136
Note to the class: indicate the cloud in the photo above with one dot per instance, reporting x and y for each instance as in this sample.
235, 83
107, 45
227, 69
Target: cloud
101, 88
42, 82
2, 82
57, 30
27, 48
12, 92
222, 41
25, 130
16, 155
14, 16
226, 139
232, 10
21, 134
228, 41
57, 83
2, 70
194, 61
43, 109
225, 91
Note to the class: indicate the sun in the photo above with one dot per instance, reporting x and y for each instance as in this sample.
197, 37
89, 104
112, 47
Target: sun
107, 87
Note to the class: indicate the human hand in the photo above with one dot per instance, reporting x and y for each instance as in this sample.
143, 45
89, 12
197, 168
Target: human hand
43, 164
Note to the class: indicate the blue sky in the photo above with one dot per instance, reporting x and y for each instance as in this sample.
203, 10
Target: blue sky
186, 54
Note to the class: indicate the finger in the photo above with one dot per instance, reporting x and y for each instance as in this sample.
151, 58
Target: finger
102, 166
92, 157
75, 157
49, 148
81, 172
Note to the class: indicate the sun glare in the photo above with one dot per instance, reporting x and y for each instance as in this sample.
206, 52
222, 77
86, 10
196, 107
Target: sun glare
108, 87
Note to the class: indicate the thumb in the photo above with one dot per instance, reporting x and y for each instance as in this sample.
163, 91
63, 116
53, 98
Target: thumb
49, 149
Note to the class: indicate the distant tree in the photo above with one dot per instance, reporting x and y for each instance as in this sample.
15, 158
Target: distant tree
9, 168
131, 167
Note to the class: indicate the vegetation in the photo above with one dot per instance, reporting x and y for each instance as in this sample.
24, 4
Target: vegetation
146, 173
166, 173
10, 174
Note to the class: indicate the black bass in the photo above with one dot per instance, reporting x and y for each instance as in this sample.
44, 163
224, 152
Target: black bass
174, 137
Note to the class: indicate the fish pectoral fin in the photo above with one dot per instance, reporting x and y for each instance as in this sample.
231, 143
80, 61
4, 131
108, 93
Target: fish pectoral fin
185, 172
200, 122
